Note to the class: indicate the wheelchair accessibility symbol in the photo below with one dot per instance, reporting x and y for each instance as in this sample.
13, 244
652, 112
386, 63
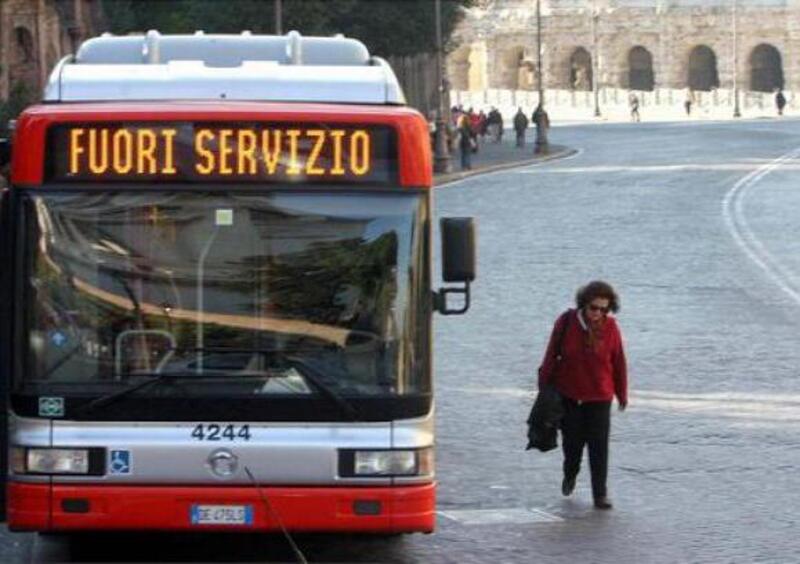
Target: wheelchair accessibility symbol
120, 462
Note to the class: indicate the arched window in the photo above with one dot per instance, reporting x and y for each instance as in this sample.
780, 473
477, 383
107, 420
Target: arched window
580, 70
766, 70
459, 68
512, 61
23, 45
703, 69
640, 69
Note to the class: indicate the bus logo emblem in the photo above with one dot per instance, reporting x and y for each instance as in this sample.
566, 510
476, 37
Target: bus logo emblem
51, 407
223, 463
120, 462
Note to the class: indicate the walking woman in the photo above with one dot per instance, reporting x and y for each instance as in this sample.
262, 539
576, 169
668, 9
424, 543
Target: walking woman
585, 361
465, 142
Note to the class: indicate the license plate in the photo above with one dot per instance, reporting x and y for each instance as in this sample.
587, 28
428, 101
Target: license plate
222, 515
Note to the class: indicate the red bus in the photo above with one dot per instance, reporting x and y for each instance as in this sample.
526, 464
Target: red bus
216, 291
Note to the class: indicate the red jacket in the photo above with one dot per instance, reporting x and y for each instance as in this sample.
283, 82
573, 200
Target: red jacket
584, 374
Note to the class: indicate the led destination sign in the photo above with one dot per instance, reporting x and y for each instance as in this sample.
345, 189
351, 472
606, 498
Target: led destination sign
203, 152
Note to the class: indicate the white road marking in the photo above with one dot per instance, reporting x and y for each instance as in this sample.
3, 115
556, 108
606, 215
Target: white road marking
743, 397
733, 213
745, 408
604, 169
741, 406
506, 516
741, 123
752, 397
492, 391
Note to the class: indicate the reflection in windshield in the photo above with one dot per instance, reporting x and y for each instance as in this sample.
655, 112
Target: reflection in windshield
124, 284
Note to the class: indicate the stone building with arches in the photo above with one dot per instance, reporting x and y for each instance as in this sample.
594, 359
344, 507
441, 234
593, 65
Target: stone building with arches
35, 34
630, 44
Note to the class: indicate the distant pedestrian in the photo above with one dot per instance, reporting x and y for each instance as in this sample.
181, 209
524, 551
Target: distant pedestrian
465, 142
495, 124
432, 128
780, 101
482, 126
474, 127
633, 102
687, 104
542, 122
500, 126
585, 361
455, 115
520, 126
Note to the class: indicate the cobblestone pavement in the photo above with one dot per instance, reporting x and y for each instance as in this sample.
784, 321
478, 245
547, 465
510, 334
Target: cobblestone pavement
697, 225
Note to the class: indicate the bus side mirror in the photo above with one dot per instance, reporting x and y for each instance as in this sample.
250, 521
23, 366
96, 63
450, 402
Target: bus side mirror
458, 261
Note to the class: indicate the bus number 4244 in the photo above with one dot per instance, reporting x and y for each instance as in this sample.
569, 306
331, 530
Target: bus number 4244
216, 432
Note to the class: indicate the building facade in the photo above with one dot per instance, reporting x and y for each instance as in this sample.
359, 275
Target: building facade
632, 44
35, 34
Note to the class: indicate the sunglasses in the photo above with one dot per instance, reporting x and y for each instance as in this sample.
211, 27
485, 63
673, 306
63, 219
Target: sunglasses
601, 309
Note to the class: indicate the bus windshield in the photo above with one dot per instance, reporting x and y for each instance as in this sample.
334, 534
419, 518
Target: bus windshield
124, 285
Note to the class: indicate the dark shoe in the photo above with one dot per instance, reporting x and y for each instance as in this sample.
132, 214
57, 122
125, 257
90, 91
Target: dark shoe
602, 503
568, 485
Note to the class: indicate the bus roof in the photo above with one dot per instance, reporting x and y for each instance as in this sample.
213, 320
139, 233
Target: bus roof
230, 67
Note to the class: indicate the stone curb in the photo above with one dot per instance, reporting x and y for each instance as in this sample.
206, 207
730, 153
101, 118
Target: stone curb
556, 152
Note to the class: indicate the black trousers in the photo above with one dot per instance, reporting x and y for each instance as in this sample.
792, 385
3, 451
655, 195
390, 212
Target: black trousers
587, 423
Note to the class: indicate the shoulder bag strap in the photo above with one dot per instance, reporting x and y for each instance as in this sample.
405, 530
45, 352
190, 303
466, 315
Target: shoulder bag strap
561, 333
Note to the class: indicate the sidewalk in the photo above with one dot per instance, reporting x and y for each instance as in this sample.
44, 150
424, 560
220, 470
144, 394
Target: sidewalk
663, 104
652, 113
497, 156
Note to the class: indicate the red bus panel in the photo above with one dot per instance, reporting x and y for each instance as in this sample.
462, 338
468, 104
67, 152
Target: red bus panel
398, 509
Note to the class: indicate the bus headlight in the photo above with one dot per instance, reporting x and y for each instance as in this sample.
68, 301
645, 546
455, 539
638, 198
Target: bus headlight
386, 463
16, 460
57, 461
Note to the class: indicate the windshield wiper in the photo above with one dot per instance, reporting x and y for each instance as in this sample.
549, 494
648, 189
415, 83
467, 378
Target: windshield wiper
157, 378
316, 379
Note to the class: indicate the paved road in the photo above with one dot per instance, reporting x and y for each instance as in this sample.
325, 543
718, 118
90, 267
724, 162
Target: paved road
698, 226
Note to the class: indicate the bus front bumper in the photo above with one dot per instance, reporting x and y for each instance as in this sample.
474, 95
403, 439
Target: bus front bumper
389, 509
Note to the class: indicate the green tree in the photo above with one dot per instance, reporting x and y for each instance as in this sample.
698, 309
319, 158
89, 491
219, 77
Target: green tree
387, 27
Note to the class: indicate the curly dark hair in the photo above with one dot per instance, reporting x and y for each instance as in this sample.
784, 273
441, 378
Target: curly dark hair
597, 289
